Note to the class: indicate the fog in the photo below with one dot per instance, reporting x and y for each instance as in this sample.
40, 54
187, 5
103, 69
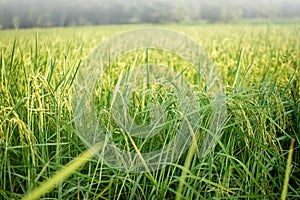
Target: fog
33, 13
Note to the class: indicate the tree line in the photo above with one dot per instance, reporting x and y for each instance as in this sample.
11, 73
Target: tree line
39, 13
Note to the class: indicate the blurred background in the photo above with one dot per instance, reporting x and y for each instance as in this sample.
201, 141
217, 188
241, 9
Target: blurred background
48, 13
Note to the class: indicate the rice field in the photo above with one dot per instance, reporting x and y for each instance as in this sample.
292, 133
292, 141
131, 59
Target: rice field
43, 155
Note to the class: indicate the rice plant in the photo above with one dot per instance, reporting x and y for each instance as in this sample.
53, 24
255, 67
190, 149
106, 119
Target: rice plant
256, 157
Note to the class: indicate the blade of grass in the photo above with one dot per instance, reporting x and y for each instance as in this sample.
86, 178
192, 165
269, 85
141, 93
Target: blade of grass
62, 174
288, 171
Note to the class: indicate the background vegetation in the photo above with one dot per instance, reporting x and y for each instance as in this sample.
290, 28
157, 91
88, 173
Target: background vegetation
41, 13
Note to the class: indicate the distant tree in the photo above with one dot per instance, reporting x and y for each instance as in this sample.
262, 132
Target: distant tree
212, 11
32, 13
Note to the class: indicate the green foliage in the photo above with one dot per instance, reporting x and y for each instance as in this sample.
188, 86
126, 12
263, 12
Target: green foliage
260, 70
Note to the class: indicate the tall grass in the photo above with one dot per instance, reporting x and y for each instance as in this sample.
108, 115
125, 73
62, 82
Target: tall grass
38, 137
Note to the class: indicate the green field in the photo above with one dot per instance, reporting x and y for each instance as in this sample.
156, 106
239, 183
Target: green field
259, 64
